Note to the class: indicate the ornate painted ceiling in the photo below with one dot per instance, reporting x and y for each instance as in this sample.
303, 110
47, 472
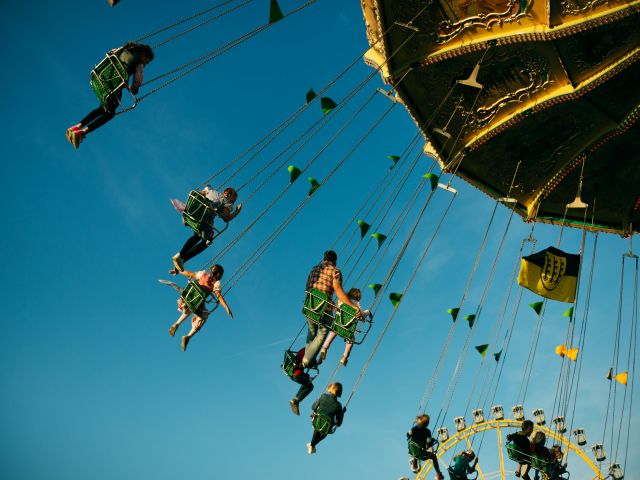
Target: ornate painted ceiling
559, 98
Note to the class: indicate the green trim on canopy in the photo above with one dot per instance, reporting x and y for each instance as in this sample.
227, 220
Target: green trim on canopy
275, 14
394, 159
537, 307
314, 185
433, 178
375, 287
310, 95
295, 173
471, 319
454, 313
380, 238
364, 228
482, 349
496, 355
569, 313
327, 104
395, 298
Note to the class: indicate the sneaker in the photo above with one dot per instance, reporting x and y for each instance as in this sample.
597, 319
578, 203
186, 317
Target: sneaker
185, 342
323, 354
344, 361
293, 403
172, 330
415, 466
439, 476
77, 136
178, 263
70, 134
311, 449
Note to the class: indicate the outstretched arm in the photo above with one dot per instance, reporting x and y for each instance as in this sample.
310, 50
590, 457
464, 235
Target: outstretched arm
342, 296
228, 215
223, 303
138, 78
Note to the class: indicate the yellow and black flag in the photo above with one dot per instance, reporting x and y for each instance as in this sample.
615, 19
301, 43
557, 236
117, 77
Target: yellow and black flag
551, 273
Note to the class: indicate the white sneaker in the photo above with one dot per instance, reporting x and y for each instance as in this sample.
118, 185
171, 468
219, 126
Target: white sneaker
178, 263
311, 449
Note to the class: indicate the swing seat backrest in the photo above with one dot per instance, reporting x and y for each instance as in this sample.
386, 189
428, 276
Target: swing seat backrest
345, 322
289, 363
108, 78
550, 468
322, 424
416, 450
517, 455
315, 304
198, 214
453, 475
194, 296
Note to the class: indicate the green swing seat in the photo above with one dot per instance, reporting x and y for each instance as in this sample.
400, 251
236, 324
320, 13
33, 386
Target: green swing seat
315, 304
198, 215
418, 451
109, 77
289, 365
194, 296
549, 468
322, 424
517, 455
345, 322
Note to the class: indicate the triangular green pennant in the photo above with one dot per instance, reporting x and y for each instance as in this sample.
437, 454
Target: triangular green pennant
433, 178
375, 287
454, 313
275, 14
327, 105
537, 307
482, 349
497, 355
395, 298
568, 313
364, 228
380, 238
394, 159
314, 185
470, 319
310, 95
295, 173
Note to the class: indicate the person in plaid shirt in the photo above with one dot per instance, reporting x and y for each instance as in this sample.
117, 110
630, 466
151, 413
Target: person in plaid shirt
327, 278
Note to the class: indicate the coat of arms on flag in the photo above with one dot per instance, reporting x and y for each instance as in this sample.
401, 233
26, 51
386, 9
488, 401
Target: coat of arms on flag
551, 273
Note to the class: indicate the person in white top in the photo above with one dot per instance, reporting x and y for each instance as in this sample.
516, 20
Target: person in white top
355, 295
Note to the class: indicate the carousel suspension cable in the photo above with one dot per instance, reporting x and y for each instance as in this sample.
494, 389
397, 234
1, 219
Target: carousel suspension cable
634, 345
237, 238
184, 20
266, 244
386, 282
204, 59
201, 24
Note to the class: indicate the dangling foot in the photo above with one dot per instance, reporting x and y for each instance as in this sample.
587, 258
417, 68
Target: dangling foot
415, 466
344, 361
293, 403
311, 449
78, 136
323, 354
178, 263
439, 476
172, 330
185, 342
71, 135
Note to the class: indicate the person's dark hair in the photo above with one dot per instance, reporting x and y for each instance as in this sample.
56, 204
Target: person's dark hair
139, 49
527, 424
215, 269
330, 256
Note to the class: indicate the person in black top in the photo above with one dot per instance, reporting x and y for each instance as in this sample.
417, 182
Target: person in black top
134, 56
420, 436
521, 441
329, 406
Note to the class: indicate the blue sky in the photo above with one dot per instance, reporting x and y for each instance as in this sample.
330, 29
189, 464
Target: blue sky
93, 384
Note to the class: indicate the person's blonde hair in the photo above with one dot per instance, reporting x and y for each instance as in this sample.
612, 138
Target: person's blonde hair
422, 419
539, 438
335, 389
